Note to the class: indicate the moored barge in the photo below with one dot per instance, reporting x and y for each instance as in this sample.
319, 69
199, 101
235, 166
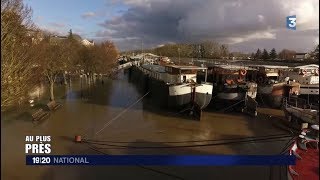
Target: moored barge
173, 86
271, 87
308, 77
230, 82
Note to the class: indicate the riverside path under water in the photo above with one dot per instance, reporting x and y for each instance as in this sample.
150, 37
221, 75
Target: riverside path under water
141, 125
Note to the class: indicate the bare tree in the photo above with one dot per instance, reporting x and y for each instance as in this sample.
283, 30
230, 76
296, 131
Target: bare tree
52, 61
315, 53
72, 48
224, 51
108, 54
16, 52
99, 58
287, 54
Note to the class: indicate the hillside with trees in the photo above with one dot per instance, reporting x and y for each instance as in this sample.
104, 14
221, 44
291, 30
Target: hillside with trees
206, 49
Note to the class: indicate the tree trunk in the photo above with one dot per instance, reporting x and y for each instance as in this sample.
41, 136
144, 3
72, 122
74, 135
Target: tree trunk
51, 91
88, 79
65, 79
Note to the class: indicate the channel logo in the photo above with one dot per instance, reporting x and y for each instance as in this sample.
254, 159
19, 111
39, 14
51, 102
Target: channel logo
291, 22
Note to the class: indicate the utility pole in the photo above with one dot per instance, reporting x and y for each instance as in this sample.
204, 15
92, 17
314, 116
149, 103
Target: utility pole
199, 51
141, 46
142, 49
179, 55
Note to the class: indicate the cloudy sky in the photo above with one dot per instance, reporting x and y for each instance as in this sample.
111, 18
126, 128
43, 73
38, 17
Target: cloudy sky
244, 25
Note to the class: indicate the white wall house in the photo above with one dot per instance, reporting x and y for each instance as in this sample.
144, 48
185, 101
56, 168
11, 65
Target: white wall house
87, 42
302, 56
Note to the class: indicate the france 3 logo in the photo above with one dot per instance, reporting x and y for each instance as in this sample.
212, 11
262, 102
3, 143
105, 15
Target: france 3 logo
292, 22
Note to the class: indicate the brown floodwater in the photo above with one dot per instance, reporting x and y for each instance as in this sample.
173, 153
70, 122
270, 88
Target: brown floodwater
102, 113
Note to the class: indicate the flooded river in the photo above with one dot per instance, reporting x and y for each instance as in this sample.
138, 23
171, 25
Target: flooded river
109, 110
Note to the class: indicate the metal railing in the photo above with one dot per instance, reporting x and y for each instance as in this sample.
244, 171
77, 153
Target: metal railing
299, 103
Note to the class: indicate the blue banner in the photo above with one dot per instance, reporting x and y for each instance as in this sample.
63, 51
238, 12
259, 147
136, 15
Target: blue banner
160, 160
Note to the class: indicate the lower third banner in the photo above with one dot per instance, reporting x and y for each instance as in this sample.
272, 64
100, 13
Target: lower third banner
160, 160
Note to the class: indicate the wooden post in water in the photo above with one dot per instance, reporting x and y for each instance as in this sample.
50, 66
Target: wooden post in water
205, 77
81, 85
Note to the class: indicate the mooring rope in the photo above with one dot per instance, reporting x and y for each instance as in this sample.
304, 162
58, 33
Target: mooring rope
223, 142
196, 141
121, 113
125, 110
232, 105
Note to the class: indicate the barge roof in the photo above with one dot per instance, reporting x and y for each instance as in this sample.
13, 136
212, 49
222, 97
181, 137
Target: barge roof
161, 69
234, 67
184, 67
153, 67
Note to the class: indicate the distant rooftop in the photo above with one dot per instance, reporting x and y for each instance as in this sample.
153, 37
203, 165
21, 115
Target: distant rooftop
270, 66
157, 68
140, 56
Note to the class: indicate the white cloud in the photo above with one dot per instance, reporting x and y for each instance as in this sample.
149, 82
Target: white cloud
260, 18
105, 33
251, 36
88, 15
58, 24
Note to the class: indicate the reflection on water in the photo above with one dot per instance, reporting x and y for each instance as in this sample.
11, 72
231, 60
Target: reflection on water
37, 91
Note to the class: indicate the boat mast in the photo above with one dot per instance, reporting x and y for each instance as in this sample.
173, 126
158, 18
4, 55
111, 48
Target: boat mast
142, 49
205, 77
199, 50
